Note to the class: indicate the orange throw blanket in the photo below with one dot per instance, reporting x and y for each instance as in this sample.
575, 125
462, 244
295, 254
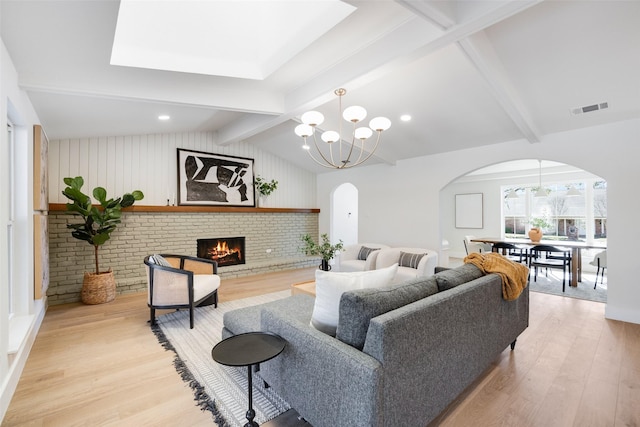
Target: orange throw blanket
513, 274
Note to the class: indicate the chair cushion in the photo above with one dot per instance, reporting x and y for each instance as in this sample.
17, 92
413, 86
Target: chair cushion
409, 260
331, 285
456, 276
364, 252
358, 307
204, 284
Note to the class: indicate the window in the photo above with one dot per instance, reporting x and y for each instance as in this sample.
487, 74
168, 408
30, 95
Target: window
574, 210
9, 213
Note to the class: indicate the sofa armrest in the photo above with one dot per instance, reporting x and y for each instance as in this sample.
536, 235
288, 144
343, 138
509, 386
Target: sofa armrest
328, 382
370, 263
427, 265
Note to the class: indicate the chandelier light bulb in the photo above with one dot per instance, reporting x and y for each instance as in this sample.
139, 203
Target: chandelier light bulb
312, 118
330, 136
380, 124
303, 130
306, 146
363, 133
354, 114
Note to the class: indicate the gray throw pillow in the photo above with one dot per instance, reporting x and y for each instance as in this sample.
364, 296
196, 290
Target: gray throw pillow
409, 260
364, 252
358, 307
456, 276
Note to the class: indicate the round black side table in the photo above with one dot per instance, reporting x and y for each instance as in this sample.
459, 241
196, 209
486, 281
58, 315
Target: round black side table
247, 350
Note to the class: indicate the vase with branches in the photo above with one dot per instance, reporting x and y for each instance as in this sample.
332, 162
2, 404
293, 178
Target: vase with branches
325, 249
264, 188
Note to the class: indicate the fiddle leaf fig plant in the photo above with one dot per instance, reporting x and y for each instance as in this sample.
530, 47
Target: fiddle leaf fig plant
97, 222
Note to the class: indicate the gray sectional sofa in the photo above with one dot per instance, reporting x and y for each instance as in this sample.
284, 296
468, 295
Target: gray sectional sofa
400, 355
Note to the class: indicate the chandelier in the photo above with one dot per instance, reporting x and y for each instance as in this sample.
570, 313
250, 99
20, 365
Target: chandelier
353, 153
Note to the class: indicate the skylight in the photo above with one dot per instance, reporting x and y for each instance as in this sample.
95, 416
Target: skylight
240, 38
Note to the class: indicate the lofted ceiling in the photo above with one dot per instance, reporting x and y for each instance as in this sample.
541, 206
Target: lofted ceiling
470, 73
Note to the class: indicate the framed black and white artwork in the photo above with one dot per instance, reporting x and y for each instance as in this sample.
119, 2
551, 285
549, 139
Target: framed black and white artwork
209, 179
469, 210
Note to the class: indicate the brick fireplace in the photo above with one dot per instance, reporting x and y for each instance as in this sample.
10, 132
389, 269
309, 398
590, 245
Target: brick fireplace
225, 250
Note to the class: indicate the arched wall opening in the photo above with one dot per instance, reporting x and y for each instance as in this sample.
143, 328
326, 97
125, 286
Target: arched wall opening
490, 183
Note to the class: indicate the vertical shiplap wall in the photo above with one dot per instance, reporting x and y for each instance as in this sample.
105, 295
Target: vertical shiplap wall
148, 163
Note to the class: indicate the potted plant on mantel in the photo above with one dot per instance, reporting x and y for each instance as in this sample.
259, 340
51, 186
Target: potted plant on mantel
325, 249
96, 227
537, 224
264, 188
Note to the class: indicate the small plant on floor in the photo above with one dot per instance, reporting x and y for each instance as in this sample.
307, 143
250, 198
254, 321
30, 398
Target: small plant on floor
325, 249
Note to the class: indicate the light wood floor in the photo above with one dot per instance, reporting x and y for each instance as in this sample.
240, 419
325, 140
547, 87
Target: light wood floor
101, 365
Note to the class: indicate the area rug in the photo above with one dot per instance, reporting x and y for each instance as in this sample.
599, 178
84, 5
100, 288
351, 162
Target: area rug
553, 285
217, 388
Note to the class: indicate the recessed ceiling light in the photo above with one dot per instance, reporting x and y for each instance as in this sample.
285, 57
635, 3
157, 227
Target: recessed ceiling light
405, 117
163, 117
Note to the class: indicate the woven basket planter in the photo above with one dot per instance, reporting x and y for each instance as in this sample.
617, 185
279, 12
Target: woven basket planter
98, 288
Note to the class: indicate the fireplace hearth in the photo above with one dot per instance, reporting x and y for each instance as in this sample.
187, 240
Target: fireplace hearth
225, 250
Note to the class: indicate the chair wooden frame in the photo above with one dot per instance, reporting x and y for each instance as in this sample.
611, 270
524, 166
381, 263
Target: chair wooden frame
186, 266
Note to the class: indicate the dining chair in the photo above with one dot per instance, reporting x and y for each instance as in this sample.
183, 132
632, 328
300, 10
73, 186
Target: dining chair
479, 247
547, 256
510, 251
600, 262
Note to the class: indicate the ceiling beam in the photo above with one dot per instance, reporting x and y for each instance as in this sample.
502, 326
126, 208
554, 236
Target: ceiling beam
405, 44
480, 52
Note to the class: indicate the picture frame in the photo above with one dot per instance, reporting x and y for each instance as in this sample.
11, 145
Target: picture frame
209, 179
469, 210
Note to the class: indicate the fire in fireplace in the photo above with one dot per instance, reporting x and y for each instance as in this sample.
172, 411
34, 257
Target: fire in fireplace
225, 250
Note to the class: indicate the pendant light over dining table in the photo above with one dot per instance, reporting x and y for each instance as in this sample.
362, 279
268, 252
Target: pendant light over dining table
353, 153
540, 192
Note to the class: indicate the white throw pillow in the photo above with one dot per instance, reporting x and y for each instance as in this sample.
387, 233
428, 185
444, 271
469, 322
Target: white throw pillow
329, 289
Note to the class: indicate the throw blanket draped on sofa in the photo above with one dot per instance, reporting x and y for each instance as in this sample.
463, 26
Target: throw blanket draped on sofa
514, 275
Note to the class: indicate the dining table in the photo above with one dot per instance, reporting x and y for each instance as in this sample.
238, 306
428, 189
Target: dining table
576, 247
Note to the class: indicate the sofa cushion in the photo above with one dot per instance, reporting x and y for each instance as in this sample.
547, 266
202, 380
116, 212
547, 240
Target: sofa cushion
409, 260
247, 319
331, 285
358, 307
456, 276
364, 252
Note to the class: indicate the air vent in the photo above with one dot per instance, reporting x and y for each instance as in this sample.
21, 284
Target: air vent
589, 108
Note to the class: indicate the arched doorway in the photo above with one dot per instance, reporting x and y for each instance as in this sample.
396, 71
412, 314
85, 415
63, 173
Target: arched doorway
573, 206
344, 214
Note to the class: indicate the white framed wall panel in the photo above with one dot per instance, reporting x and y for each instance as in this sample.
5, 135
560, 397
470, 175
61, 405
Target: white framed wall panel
148, 163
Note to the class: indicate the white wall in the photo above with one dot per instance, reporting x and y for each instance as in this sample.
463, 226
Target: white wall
149, 163
18, 334
400, 205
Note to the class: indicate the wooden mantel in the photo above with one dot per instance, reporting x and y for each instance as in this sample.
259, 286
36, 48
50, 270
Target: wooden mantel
58, 207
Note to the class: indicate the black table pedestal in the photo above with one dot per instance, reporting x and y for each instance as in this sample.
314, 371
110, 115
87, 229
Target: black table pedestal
248, 350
